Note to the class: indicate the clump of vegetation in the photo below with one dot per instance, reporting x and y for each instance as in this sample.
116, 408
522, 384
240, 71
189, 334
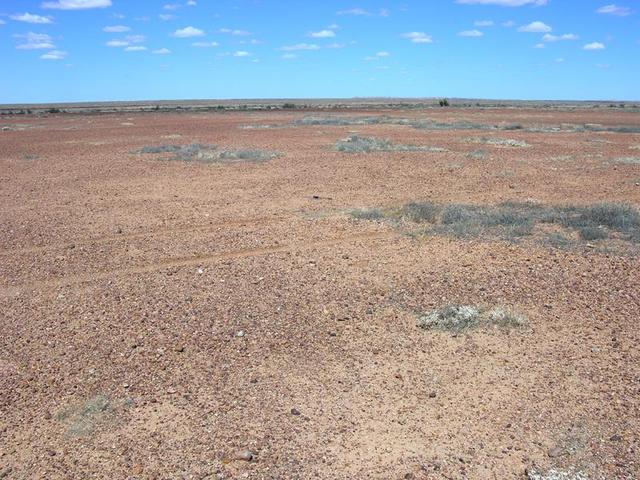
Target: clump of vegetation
197, 152
513, 221
421, 212
501, 142
628, 160
444, 102
82, 418
458, 318
246, 155
358, 144
368, 214
477, 154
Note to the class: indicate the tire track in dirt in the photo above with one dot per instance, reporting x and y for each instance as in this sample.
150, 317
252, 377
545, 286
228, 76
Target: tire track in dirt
15, 290
136, 235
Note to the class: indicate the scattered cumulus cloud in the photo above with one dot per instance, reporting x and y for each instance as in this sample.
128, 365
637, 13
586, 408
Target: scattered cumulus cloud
594, 46
54, 55
161, 51
556, 38
188, 32
117, 43
135, 48
136, 38
539, 45
235, 32
30, 18
289, 56
323, 34
483, 23
359, 12
192, 3
300, 46
505, 3
535, 27
471, 33
418, 37
383, 54
614, 9
241, 53
166, 16
171, 6
77, 4
205, 44
35, 41
336, 45
116, 29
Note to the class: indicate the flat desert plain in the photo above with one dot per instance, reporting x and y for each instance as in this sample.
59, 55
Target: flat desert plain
403, 294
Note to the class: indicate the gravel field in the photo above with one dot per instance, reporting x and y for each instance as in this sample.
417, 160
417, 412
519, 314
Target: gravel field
229, 295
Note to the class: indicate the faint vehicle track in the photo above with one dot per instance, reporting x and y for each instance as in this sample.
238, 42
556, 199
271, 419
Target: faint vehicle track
14, 290
137, 235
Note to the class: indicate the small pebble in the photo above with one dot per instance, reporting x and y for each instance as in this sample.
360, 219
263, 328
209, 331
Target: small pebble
295, 411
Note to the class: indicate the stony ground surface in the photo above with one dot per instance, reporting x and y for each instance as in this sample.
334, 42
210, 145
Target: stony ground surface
167, 319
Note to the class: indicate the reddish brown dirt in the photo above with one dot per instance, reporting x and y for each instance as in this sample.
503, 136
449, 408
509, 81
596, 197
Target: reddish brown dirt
125, 282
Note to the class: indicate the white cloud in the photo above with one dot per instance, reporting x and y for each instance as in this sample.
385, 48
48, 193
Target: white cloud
383, 54
76, 4
300, 46
556, 38
483, 23
188, 32
161, 51
594, 46
136, 48
35, 41
360, 12
614, 9
117, 43
192, 3
241, 53
236, 33
323, 34
30, 18
136, 38
54, 55
535, 27
505, 3
205, 44
171, 6
166, 16
289, 56
116, 29
253, 41
539, 45
471, 33
418, 37
336, 45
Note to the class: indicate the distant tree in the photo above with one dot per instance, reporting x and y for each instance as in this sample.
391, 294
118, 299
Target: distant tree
289, 105
444, 102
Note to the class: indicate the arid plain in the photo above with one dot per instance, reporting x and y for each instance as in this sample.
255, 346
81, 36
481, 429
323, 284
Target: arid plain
276, 306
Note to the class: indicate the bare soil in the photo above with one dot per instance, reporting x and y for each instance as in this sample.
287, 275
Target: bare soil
167, 319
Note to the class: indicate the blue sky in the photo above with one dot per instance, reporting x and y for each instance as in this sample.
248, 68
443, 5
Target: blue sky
89, 50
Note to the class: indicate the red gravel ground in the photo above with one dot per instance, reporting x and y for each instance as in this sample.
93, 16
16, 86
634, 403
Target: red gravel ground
158, 318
